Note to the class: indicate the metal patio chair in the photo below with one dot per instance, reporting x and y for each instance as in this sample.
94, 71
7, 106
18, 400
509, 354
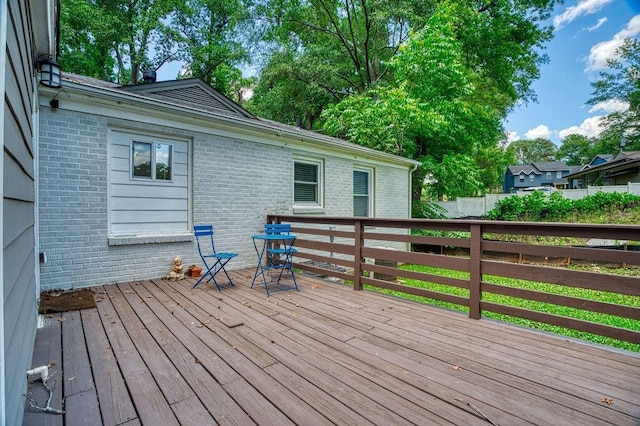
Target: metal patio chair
280, 252
214, 261
279, 229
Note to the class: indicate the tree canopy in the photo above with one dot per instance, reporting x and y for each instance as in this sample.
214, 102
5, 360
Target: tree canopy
576, 150
622, 83
350, 44
526, 151
427, 79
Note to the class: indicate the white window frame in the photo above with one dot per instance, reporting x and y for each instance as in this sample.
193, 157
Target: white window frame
521, 177
370, 192
532, 177
318, 203
124, 137
559, 174
153, 144
548, 175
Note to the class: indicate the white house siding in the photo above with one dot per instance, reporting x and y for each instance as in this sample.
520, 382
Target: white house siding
235, 184
18, 311
144, 205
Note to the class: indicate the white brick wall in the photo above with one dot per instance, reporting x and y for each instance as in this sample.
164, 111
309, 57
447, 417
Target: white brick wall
236, 184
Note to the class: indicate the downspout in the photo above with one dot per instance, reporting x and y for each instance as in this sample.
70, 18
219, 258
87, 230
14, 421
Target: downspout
415, 167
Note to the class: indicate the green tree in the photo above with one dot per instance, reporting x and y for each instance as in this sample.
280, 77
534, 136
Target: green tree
291, 86
86, 49
350, 44
210, 33
130, 35
532, 150
622, 83
576, 150
427, 114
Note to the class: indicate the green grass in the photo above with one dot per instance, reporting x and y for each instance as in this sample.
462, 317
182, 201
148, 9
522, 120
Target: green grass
528, 304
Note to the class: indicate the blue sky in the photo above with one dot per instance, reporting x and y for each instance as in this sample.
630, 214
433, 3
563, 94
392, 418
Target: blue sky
586, 33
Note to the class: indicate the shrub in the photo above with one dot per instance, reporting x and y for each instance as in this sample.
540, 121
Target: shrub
537, 207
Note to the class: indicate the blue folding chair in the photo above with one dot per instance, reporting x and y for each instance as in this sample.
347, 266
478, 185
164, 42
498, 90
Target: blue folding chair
214, 262
279, 229
281, 256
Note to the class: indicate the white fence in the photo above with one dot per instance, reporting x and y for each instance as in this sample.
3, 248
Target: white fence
479, 206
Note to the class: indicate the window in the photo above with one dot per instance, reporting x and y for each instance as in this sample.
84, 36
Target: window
532, 177
151, 160
307, 185
548, 175
361, 193
521, 177
149, 188
559, 174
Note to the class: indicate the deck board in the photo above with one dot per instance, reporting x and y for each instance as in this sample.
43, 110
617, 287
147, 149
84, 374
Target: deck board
158, 352
116, 406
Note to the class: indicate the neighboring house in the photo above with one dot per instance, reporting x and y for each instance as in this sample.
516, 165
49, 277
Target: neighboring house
125, 172
26, 33
608, 170
543, 173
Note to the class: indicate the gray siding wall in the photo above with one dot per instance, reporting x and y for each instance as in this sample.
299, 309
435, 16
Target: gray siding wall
235, 185
19, 285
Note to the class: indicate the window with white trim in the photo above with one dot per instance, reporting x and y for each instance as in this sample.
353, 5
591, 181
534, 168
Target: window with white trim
532, 177
307, 184
362, 192
151, 160
521, 176
148, 188
559, 174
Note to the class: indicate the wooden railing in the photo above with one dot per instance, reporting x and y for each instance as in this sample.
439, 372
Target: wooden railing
361, 249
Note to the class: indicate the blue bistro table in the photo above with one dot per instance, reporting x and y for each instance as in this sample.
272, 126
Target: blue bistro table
275, 257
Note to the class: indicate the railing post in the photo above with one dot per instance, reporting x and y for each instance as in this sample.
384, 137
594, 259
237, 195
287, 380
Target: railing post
357, 255
475, 275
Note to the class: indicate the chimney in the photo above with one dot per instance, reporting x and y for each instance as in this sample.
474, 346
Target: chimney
149, 76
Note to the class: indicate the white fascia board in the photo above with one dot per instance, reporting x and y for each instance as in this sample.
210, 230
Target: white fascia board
43, 16
126, 106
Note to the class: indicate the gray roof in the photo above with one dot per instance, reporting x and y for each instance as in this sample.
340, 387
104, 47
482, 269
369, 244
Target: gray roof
523, 168
622, 160
605, 157
191, 92
194, 95
550, 166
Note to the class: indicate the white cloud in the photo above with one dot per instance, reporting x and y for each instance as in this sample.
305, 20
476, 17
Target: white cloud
512, 136
609, 106
590, 127
540, 131
604, 50
584, 7
597, 25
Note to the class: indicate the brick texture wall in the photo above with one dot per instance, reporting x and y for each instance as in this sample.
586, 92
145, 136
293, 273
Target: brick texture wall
235, 185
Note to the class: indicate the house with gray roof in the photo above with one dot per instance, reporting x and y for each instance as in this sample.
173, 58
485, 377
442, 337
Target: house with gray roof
608, 170
540, 173
102, 183
126, 171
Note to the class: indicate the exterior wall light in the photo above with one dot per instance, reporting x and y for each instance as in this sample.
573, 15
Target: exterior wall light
49, 72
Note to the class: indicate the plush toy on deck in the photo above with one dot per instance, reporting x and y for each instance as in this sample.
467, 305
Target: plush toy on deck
177, 270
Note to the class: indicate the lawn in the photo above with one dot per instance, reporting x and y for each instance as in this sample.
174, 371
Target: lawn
528, 304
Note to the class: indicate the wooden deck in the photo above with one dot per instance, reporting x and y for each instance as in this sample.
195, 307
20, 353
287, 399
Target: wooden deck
158, 353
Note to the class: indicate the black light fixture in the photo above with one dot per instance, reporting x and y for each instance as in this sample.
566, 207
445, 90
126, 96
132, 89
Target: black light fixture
50, 72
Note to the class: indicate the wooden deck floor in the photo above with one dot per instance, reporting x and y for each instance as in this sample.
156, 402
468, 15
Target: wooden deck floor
159, 353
